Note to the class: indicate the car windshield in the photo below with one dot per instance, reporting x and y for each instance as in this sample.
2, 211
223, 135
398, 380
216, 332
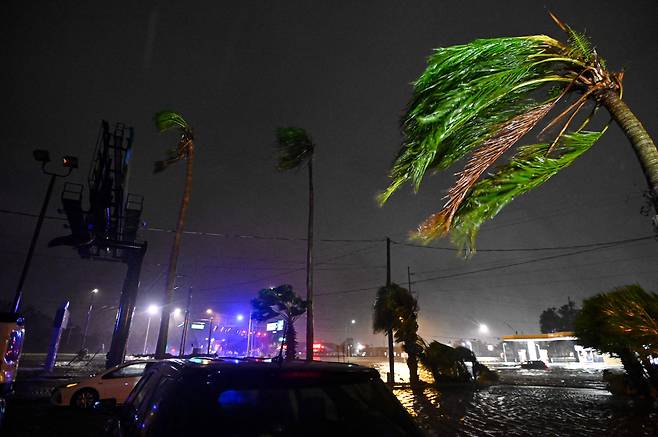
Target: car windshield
212, 409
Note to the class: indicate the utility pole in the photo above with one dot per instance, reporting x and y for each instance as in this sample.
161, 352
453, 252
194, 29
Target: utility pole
391, 352
186, 322
91, 306
409, 278
42, 156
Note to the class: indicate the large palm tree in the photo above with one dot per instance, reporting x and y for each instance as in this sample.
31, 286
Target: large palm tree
482, 97
281, 302
184, 150
296, 148
396, 313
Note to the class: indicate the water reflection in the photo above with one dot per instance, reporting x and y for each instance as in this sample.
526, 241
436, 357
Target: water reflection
525, 411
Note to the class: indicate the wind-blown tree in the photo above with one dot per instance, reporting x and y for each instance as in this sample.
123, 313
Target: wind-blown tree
556, 320
183, 151
445, 363
295, 148
396, 314
281, 302
624, 322
481, 98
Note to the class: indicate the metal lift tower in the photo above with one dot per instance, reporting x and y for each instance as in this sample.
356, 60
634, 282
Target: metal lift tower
107, 229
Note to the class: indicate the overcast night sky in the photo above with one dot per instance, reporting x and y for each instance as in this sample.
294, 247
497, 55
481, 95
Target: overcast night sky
342, 70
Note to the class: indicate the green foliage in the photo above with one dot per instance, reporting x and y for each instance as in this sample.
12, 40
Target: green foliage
281, 302
294, 146
528, 169
397, 309
166, 120
445, 363
624, 322
480, 99
463, 96
559, 320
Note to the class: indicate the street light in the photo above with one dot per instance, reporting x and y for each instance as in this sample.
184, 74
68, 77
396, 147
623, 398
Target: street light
151, 311
91, 305
176, 312
484, 329
239, 317
42, 156
210, 313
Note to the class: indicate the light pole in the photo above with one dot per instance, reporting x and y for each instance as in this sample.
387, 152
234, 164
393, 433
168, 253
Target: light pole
42, 156
91, 305
348, 348
151, 311
210, 313
186, 322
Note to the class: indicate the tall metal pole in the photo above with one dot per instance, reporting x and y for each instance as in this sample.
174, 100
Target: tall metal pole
391, 350
409, 278
183, 337
251, 314
91, 306
127, 301
18, 296
310, 336
209, 334
146, 337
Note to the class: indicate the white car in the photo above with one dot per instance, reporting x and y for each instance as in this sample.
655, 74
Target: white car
114, 383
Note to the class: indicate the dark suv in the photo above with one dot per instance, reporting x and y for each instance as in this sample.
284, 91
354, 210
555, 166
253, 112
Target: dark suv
232, 397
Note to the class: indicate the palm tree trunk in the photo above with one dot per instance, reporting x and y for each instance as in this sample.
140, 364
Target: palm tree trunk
391, 353
309, 266
161, 347
643, 145
291, 342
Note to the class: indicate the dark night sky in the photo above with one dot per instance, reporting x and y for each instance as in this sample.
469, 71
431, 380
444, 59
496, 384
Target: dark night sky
342, 70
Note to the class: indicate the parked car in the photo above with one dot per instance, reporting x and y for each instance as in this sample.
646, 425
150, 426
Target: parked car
233, 397
535, 364
113, 384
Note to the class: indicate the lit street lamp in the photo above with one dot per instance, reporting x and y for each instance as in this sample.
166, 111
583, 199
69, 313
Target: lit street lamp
42, 156
210, 313
151, 311
91, 305
484, 329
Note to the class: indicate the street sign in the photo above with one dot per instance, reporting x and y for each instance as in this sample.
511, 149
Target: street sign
274, 326
198, 325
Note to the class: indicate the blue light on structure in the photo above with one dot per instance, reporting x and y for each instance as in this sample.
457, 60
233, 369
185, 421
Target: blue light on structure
239, 317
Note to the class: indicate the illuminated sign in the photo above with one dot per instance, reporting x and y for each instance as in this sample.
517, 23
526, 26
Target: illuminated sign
274, 326
197, 325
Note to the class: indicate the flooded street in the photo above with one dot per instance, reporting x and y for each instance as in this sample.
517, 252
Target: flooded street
558, 402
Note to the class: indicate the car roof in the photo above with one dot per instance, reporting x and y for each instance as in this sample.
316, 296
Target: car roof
316, 368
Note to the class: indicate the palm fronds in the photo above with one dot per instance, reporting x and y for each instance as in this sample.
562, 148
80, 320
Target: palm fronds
294, 146
528, 169
167, 120
481, 98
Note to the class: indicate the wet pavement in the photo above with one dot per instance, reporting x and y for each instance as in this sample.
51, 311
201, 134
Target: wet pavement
556, 402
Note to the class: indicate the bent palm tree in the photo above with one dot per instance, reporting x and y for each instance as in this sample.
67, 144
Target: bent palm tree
281, 302
482, 97
184, 150
396, 314
295, 148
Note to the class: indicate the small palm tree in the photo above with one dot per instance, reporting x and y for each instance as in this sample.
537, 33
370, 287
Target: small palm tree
396, 313
624, 322
184, 150
481, 98
296, 148
281, 302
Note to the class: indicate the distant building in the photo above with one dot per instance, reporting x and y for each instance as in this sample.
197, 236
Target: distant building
556, 347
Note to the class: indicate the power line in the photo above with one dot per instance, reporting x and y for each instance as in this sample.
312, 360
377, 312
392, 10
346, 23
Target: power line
473, 272
536, 249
